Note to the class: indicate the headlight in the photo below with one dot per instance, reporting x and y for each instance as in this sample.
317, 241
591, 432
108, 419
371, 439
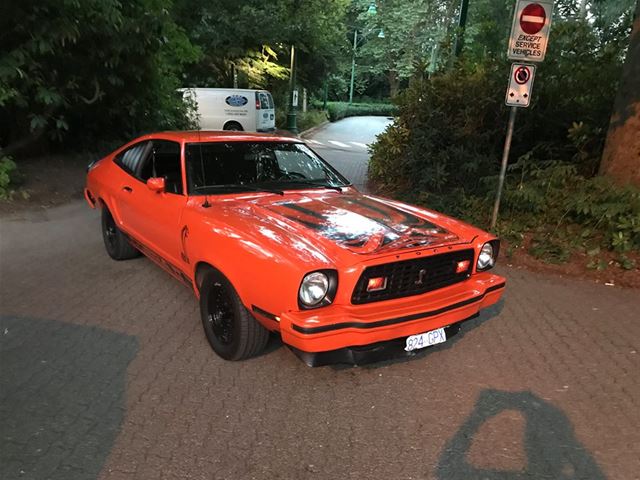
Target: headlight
317, 289
314, 288
487, 258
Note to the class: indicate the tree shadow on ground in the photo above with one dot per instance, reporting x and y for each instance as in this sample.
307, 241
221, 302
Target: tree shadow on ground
551, 449
62, 397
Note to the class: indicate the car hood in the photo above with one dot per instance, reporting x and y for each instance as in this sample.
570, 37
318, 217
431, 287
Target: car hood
362, 224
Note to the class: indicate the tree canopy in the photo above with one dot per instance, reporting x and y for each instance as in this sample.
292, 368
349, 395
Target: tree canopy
105, 69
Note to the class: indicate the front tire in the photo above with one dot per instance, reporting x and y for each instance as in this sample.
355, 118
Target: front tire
230, 328
115, 242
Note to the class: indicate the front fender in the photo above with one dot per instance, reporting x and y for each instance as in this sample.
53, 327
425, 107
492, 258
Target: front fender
266, 271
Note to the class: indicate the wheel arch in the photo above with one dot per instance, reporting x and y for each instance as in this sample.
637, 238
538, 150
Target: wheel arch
233, 122
201, 268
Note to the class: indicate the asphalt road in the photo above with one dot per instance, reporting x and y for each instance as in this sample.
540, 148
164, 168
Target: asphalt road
105, 373
345, 144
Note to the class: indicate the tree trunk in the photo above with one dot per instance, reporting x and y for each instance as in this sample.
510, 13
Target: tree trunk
621, 155
394, 83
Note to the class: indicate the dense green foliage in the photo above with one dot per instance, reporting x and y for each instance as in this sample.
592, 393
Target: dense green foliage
445, 147
86, 69
7, 171
340, 110
305, 120
73, 73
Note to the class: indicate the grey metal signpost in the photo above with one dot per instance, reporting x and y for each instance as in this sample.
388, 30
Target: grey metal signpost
527, 42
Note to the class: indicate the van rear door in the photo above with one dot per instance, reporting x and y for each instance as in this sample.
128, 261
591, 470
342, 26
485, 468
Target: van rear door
265, 112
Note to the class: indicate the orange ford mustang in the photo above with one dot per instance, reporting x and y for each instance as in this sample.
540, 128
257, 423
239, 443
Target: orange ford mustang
273, 239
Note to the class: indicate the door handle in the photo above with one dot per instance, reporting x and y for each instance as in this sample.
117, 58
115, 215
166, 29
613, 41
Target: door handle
127, 189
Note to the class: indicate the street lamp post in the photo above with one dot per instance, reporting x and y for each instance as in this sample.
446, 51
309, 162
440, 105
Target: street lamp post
353, 64
293, 95
372, 11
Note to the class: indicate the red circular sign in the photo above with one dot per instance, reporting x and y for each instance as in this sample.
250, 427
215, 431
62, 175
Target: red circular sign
522, 75
532, 18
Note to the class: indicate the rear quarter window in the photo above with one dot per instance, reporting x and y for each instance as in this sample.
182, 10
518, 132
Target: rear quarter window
129, 160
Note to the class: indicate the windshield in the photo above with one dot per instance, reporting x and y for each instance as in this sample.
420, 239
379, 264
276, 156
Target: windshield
267, 166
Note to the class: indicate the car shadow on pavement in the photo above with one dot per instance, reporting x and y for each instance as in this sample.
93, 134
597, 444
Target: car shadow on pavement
465, 327
62, 397
550, 446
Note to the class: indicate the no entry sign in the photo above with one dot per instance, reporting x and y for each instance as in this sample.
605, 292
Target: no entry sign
530, 30
520, 85
532, 18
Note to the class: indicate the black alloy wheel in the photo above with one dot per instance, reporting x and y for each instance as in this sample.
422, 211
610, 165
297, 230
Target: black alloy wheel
115, 242
232, 331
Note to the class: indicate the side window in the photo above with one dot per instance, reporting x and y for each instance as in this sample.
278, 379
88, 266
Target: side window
130, 159
164, 161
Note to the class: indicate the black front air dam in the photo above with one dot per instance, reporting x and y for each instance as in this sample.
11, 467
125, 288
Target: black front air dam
366, 354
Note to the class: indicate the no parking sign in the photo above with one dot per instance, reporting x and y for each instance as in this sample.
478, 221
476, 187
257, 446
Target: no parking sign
520, 85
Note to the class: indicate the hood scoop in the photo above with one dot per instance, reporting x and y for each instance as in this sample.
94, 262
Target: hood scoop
362, 224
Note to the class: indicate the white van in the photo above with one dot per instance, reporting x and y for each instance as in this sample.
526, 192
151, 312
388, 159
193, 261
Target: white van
233, 109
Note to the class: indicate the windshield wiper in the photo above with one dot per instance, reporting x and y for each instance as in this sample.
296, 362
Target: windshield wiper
315, 184
238, 186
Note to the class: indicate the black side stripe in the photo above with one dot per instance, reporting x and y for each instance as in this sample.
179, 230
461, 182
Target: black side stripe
393, 321
264, 313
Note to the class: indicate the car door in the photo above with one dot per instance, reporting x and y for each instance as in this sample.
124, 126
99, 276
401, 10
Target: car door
157, 215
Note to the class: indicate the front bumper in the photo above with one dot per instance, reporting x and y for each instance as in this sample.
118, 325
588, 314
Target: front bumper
339, 326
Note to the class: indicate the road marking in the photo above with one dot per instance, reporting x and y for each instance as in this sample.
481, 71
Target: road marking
339, 144
315, 142
358, 144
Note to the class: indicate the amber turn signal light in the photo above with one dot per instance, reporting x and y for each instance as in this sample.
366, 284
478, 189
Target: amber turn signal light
462, 266
376, 284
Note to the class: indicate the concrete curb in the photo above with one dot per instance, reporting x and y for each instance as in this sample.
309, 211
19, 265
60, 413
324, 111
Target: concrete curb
311, 130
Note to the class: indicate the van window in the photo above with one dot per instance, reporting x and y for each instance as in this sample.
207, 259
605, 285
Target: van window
264, 101
270, 100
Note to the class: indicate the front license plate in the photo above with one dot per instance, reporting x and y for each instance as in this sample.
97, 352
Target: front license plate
422, 340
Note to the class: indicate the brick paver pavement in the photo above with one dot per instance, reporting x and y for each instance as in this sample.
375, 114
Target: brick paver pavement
104, 368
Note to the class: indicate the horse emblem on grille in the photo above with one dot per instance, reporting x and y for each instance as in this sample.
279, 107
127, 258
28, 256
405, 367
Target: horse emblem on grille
421, 275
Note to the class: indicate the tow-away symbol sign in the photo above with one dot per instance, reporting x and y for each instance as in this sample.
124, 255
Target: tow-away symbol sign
530, 30
520, 85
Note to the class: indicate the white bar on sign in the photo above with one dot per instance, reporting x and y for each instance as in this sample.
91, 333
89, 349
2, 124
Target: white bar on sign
531, 18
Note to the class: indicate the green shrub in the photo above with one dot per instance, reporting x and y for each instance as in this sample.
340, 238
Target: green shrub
304, 120
340, 110
8, 170
310, 119
444, 150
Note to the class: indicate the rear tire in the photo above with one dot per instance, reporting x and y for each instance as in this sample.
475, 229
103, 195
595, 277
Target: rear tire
115, 242
233, 127
230, 328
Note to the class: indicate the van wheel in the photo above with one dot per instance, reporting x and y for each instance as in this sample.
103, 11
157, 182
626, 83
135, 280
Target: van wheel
233, 126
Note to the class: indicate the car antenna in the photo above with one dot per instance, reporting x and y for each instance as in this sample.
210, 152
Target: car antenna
206, 203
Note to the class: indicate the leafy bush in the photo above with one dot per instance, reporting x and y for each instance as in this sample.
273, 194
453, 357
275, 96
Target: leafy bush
7, 171
87, 70
310, 119
340, 110
304, 120
444, 149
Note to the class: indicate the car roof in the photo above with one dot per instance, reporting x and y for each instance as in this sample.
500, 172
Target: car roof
198, 136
